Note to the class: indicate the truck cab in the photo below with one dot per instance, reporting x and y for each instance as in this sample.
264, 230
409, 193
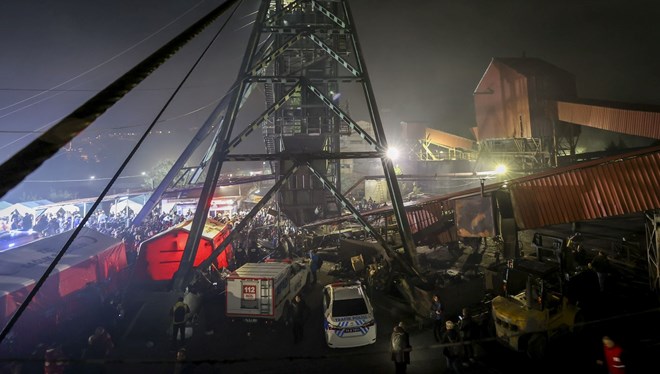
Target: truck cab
527, 319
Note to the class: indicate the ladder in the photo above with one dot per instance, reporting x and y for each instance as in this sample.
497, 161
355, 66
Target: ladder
265, 304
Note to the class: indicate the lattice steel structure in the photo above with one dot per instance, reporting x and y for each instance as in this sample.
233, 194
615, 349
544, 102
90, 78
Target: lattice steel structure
306, 56
653, 248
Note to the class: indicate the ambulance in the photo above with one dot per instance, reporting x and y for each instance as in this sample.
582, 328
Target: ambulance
264, 291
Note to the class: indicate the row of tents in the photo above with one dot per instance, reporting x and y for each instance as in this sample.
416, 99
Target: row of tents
39, 207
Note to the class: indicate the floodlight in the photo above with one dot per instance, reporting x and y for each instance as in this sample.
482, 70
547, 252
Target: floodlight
500, 169
392, 153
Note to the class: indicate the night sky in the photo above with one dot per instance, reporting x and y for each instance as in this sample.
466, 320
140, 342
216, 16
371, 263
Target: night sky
424, 57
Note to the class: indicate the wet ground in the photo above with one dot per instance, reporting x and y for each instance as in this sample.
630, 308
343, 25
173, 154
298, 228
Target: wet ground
144, 339
237, 347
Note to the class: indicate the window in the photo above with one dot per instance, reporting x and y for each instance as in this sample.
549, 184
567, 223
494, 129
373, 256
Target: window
349, 307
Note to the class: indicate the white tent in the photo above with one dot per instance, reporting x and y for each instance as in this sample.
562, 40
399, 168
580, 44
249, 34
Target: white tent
121, 206
22, 210
67, 208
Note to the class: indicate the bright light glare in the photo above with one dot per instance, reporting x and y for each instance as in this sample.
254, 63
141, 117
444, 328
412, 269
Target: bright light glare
392, 153
500, 169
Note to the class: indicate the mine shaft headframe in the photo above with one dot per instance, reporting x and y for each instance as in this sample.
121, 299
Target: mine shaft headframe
314, 49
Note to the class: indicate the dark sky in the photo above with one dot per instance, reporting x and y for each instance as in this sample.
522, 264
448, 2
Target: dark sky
424, 57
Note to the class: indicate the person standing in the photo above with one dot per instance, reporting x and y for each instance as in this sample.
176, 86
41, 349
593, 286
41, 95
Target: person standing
253, 251
292, 247
466, 328
613, 359
99, 347
438, 316
451, 350
601, 265
400, 348
314, 265
283, 249
299, 314
241, 256
179, 313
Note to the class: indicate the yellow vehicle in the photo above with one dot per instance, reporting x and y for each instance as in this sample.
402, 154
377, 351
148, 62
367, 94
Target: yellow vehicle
526, 320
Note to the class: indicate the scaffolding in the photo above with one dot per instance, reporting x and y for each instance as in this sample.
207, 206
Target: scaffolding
525, 155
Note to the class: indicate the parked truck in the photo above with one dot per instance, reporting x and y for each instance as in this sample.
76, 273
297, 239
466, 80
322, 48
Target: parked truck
264, 291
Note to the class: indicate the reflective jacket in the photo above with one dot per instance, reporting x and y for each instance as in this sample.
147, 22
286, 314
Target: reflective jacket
613, 359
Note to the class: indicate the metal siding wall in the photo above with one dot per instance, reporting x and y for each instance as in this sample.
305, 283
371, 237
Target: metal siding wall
498, 112
619, 187
624, 121
425, 215
421, 217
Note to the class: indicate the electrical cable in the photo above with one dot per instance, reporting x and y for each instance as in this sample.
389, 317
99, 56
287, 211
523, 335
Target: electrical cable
101, 64
23, 306
49, 124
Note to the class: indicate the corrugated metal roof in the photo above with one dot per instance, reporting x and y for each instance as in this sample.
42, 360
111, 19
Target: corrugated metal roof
609, 187
630, 120
618, 185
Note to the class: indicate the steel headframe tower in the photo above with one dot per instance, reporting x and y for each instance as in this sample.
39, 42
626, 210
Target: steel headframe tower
312, 64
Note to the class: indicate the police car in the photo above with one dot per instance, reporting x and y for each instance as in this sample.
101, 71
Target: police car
348, 316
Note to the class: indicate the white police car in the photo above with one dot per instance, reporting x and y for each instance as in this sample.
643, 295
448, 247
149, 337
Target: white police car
348, 316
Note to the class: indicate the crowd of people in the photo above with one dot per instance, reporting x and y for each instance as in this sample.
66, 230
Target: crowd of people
457, 337
259, 230
264, 230
45, 224
263, 235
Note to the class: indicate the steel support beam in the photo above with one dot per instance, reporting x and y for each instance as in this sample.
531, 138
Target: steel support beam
392, 184
653, 248
346, 204
28, 159
214, 119
182, 275
297, 59
248, 217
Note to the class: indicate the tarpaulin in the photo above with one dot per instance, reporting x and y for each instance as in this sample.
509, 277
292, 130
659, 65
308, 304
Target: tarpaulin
159, 257
91, 258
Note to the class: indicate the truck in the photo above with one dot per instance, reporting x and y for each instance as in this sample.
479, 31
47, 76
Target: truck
264, 291
534, 308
